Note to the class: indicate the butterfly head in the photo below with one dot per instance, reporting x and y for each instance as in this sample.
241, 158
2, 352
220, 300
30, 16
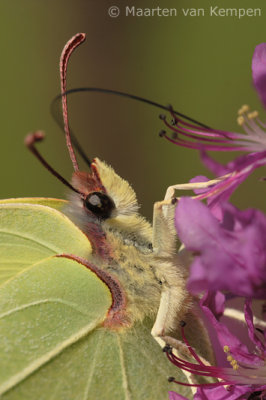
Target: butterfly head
103, 193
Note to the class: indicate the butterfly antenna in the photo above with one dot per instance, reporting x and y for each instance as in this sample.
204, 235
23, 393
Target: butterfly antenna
57, 116
71, 45
55, 113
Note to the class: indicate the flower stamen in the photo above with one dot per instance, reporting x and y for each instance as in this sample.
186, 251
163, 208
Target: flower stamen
230, 358
194, 136
240, 373
244, 109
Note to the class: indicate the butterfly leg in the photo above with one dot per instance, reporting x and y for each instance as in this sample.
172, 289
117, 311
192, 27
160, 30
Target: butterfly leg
170, 192
175, 300
176, 303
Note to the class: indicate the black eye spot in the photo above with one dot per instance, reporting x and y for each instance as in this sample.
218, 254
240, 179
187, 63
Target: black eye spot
99, 204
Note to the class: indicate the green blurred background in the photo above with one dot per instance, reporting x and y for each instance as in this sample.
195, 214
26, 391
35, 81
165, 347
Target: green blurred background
201, 65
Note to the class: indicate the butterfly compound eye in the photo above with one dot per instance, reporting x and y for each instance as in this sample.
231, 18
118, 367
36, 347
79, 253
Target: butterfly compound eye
99, 204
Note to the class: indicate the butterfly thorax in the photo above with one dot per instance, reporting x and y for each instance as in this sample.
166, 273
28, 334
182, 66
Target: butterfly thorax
121, 243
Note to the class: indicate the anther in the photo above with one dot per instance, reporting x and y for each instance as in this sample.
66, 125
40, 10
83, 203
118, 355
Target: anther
253, 115
162, 116
167, 349
182, 324
170, 107
226, 349
174, 135
171, 379
162, 133
245, 108
174, 121
240, 120
230, 359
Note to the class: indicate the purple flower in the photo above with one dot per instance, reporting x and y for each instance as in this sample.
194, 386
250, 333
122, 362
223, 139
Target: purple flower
176, 396
229, 255
259, 71
220, 192
228, 245
217, 393
246, 375
194, 136
236, 172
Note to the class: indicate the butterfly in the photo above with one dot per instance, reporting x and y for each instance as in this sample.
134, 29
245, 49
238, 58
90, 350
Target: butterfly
133, 262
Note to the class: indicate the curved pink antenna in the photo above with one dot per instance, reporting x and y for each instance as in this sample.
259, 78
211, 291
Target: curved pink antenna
71, 45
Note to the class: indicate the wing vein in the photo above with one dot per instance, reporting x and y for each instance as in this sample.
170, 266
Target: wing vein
36, 303
31, 239
44, 359
123, 368
93, 364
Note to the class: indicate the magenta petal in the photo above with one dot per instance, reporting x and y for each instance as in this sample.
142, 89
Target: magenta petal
247, 162
229, 256
199, 178
176, 396
237, 164
215, 301
226, 338
220, 393
214, 201
200, 232
250, 325
240, 168
192, 215
214, 166
259, 71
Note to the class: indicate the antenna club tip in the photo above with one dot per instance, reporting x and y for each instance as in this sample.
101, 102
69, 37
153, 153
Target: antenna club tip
82, 35
33, 137
70, 46
76, 40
